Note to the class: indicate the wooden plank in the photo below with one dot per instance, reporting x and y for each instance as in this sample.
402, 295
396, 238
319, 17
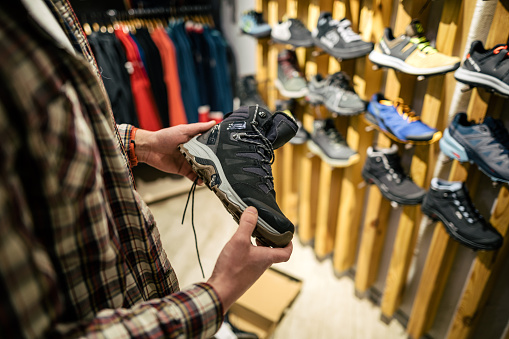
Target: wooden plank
308, 195
373, 18
426, 303
423, 163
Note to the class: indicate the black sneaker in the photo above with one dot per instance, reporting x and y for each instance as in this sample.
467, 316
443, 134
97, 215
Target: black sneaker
293, 32
450, 203
383, 168
248, 92
486, 68
329, 144
290, 81
336, 93
234, 160
338, 39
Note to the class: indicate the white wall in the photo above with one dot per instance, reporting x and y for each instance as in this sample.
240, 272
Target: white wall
244, 46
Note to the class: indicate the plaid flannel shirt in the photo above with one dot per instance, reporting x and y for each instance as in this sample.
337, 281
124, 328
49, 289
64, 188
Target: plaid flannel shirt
80, 253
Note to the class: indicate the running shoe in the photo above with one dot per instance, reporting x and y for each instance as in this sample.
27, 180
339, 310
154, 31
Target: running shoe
383, 168
234, 160
293, 32
336, 93
252, 23
486, 68
398, 121
486, 144
290, 81
330, 146
449, 202
338, 39
411, 53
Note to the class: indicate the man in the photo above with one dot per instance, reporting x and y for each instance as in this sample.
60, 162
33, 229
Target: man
80, 253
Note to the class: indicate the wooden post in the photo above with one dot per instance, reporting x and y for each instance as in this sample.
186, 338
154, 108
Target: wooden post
374, 16
442, 249
423, 163
378, 209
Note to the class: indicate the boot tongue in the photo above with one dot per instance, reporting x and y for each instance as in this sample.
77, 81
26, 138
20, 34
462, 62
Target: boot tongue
279, 128
415, 29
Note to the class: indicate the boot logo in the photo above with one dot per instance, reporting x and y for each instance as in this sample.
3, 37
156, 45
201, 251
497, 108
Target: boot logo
237, 125
213, 135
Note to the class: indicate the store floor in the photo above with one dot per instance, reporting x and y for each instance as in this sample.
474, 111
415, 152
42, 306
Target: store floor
326, 306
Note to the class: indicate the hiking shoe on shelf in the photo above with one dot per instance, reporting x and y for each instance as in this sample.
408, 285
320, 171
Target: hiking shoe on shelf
411, 53
449, 202
398, 121
234, 160
338, 39
290, 81
329, 144
252, 23
336, 93
383, 168
486, 68
293, 32
248, 92
486, 144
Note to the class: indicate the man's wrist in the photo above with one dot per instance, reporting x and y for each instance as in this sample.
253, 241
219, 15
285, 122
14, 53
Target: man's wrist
142, 142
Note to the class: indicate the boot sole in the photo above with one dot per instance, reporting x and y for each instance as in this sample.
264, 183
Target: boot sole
215, 179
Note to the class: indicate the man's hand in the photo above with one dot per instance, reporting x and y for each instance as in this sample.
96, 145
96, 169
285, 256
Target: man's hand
241, 263
159, 149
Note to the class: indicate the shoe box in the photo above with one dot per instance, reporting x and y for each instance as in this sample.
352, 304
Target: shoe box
263, 306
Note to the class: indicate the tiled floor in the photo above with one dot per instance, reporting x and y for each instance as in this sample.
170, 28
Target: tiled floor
326, 306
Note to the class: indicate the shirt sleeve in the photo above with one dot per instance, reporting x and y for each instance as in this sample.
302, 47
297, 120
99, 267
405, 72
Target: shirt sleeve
195, 312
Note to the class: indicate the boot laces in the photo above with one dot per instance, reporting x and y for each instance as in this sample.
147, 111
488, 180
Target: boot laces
393, 166
467, 209
500, 48
263, 147
423, 45
404, 111
334, 136
340, 80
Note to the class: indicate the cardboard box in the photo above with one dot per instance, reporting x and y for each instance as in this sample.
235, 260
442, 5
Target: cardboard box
261, 308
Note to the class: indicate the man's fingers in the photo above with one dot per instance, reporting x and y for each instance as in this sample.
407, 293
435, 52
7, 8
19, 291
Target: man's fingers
247, 222
194, 129
281, 254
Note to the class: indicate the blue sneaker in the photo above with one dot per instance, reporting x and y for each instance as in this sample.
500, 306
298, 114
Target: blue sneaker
398, 121
486, 144
251, 22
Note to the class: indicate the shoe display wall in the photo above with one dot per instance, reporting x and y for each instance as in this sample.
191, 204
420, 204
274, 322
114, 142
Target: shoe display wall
394, 144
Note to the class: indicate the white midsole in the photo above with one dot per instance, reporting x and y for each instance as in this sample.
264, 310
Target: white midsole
481, 78
390, 61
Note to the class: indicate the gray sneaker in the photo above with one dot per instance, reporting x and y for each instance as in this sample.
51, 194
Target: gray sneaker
290, 81
336, 93
329, 144
486, 144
